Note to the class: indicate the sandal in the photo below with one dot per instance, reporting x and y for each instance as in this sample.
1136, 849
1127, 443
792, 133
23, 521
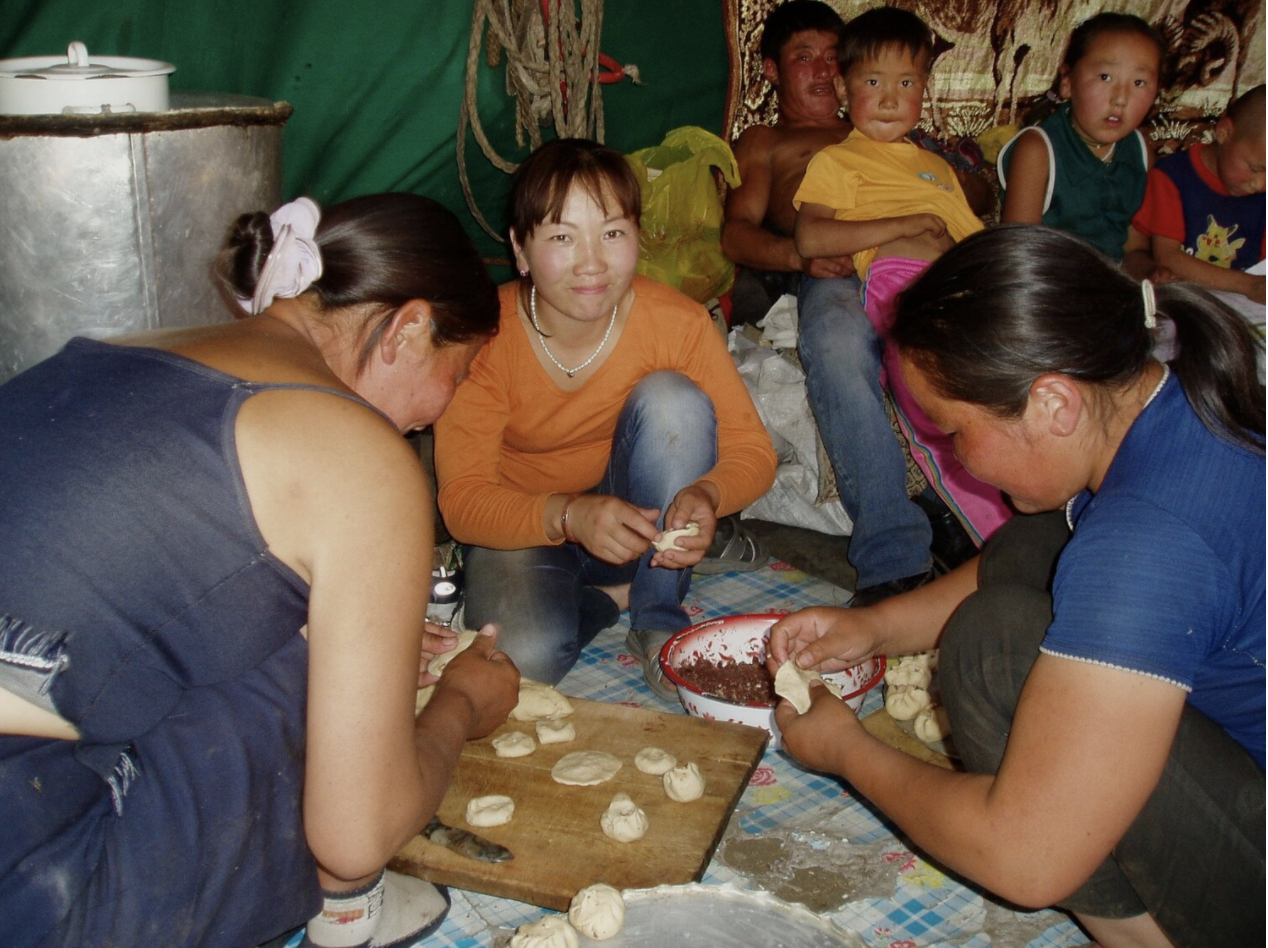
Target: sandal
734, 550
645, 645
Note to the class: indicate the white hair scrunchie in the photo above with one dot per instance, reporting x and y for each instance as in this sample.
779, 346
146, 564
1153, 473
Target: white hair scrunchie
1151, 304
294, 263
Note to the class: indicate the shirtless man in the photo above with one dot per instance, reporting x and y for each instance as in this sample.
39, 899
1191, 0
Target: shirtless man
889, 546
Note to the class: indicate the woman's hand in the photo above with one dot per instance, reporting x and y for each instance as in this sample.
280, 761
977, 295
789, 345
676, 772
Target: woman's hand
609, 528
437, 639
817, 737
487, 679
823, 638
694, 503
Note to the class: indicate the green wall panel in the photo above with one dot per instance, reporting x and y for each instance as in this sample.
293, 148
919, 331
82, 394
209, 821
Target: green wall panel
377, 86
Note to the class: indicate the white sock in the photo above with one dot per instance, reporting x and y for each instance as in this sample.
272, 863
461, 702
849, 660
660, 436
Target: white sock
393, 910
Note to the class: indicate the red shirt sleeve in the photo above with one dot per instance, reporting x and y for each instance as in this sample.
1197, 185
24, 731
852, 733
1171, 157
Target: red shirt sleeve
1161, 214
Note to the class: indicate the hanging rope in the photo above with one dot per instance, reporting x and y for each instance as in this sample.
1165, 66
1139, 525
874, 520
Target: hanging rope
552, 72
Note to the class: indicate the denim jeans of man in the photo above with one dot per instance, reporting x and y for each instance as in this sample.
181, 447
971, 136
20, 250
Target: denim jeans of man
544, 599
841, 354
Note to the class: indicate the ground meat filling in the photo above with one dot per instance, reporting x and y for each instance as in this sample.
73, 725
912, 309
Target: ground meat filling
737, 682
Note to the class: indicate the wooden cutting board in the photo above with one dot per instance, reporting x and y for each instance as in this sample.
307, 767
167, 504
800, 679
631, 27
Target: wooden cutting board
555, 836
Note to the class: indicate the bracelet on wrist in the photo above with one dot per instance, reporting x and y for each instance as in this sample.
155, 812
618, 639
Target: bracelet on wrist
563, 518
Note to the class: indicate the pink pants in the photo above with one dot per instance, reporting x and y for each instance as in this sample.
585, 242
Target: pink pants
980, 507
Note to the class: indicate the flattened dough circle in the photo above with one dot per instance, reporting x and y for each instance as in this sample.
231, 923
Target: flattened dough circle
585, 768
793, 683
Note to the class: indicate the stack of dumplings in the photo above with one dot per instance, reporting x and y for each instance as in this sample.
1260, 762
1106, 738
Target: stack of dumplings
908, 698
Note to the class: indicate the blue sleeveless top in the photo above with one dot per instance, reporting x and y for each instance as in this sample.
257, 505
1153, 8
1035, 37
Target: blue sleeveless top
139, 602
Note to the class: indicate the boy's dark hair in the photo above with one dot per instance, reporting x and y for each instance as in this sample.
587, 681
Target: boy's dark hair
1248, 106
1087, 31
793, 17
882, 28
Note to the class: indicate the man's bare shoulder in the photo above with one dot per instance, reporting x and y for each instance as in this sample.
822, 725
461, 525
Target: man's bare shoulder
755, 142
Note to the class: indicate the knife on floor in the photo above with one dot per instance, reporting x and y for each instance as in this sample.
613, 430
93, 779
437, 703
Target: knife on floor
464, 843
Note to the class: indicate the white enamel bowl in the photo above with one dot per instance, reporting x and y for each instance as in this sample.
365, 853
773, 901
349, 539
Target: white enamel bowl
740, 639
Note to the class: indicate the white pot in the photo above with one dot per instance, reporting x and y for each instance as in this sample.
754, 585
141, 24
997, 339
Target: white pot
44, 85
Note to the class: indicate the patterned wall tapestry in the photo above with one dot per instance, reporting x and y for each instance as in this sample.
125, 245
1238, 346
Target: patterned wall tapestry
994, 59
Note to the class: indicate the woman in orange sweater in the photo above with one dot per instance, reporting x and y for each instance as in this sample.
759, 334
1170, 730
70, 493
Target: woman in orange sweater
606, 410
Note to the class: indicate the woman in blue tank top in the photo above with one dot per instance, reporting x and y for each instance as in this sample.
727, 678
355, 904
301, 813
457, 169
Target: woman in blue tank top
218, 552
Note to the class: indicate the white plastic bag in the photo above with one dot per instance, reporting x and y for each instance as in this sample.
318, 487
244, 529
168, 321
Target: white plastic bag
778, 388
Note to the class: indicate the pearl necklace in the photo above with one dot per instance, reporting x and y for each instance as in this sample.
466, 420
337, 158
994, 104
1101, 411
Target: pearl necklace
541, 336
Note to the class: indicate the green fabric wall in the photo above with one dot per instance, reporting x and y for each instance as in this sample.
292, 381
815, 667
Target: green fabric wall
377, 84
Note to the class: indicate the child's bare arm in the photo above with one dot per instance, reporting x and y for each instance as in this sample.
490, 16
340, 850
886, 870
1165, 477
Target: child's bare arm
1027, 181
819, 234
1170, 254
1138, 259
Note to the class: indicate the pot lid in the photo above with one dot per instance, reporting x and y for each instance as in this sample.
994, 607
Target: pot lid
78, 66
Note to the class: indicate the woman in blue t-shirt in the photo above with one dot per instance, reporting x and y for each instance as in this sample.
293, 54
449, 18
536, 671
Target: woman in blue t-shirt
1102, 661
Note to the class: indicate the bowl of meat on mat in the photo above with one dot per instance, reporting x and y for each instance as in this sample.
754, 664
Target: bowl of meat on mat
719, 669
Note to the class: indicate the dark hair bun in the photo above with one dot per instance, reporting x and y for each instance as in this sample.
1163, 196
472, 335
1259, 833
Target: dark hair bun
245, 249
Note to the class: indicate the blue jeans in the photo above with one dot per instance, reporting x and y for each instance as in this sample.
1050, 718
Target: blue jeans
841, 354
543, 598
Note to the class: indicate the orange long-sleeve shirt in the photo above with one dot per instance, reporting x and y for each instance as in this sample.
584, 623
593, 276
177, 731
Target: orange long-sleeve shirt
511, 437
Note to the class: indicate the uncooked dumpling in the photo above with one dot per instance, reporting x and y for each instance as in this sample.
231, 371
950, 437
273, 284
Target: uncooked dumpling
904, 702
538, 700
669, 539
908, 672
932, 724
597, 911
493, 810
684, 783
654, 761
585, 768
437, 665
513, 744
793, 683
550, 731
624, 820
549, 931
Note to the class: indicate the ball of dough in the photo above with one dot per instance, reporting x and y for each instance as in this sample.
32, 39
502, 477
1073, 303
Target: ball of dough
624, 820
538, 700
793, 683
513, 744
669, 539
549, 931
904, 702
597, 911
585, 768
684, 783
493, 810
932, 724
550, 731
654, 761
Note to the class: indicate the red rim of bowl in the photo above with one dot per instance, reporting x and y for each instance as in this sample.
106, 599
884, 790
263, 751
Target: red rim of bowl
773, 617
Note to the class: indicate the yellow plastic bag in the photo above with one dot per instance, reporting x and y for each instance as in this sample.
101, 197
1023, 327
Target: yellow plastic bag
681, 239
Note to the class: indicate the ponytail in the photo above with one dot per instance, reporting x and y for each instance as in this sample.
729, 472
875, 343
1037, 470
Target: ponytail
1216, 362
